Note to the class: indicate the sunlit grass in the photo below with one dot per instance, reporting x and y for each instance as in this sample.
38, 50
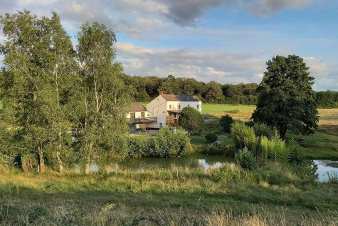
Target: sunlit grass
173, 196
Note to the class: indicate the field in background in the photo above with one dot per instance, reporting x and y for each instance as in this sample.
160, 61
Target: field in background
321, 145
328, 117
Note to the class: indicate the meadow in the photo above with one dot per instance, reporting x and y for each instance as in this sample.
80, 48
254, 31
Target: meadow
323, 144
275, 194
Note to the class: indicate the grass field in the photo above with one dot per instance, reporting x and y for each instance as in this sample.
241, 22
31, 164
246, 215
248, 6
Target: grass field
174, 196
321, 145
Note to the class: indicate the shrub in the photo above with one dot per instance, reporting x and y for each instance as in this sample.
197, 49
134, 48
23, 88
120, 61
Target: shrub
219, 149
166, 143
246, 159
244, 136
191, 120
226, 123
273, 149
28, 162
211, 138
262, 129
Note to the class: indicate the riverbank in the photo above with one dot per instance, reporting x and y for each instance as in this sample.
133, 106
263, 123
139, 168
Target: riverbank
175, 195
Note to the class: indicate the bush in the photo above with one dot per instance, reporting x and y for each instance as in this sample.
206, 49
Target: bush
246, 159
226, 123
262, 129
166, 143
219, 149
211, 138
191, 120
244, 136
273, 149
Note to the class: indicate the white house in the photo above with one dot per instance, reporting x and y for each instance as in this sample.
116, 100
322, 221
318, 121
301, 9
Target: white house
138, 116
167, 108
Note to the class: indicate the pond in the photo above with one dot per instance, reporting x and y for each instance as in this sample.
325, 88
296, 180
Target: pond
326, 169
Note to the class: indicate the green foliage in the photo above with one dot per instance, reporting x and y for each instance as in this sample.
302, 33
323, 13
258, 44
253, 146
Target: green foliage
226, 123
214, 93
102, 97
146, 88
246, 159
191, 120
211, 138
262, 129
219, 149
243, 136
285, 96
327, 99
39, 68
274, 148
165, 144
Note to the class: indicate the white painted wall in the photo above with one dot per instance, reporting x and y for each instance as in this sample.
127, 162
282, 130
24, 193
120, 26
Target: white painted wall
138, 114
157, 108
179, 105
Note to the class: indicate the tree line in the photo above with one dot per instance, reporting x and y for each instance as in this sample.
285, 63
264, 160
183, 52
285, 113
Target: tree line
144, 89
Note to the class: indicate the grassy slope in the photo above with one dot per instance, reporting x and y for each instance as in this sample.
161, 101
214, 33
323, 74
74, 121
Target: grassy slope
177, 195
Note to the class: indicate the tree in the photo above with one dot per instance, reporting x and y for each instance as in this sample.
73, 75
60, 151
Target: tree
285, 96
214, 93
190, 119
37, 58
103, 96
226, 123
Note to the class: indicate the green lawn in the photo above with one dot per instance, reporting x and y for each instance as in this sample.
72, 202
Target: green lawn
320, 145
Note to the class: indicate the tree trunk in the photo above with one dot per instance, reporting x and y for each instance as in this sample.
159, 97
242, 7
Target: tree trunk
42, 167
88, 162
283, 131
59, 162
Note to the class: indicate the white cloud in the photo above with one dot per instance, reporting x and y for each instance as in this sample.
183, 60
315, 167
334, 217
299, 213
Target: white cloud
206, 65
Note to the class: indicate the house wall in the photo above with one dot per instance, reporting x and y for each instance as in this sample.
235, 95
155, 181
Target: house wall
138, 114
158, 108
179, 105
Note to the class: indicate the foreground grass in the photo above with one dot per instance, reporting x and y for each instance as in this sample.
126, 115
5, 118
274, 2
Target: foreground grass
173, 196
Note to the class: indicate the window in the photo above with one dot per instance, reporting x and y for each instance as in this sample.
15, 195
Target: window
143, 114
179, 106
132, 115
169, 106
198, 106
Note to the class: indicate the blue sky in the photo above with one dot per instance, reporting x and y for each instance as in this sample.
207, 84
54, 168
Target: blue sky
227, 41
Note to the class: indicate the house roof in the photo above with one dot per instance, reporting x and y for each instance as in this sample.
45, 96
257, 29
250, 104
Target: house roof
172, 97
137, 107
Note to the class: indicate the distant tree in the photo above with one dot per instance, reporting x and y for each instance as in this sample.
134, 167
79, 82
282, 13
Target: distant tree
213, 93
226, 123
170, 85
190, 119
285, 96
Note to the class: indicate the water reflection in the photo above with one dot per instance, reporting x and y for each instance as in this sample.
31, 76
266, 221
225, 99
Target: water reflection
203, 163
325, 169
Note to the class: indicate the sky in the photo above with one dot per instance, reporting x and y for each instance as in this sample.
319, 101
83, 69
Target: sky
227, 41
